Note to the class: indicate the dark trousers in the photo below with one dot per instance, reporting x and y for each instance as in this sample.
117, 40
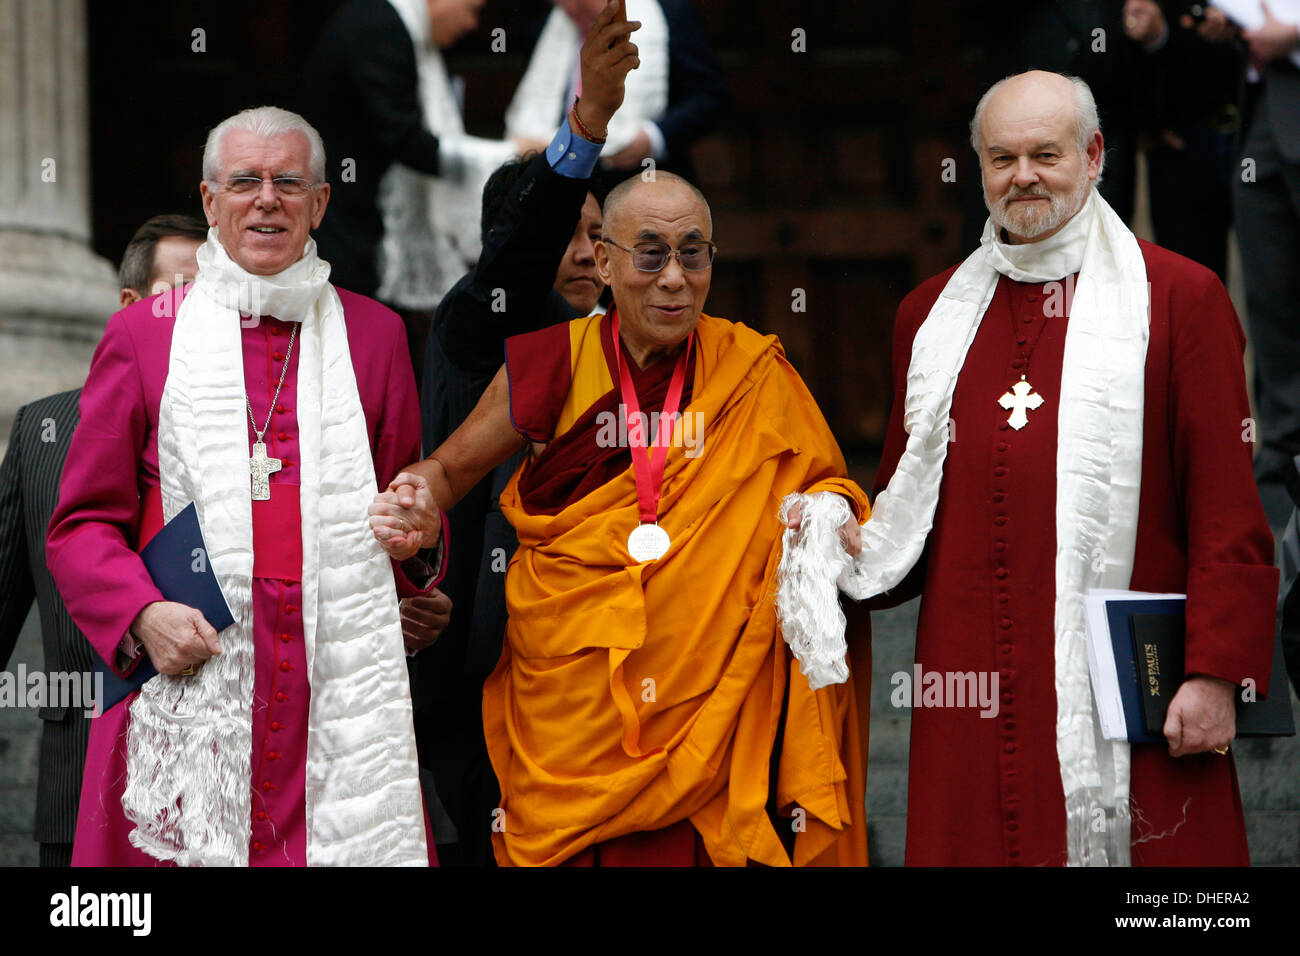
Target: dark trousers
56, 854
1268, 232
1191, 196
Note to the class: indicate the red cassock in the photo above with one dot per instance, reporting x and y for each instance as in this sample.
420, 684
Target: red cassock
987, 791
113, 466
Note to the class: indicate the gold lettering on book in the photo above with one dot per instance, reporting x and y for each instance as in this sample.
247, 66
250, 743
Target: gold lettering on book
1153, 669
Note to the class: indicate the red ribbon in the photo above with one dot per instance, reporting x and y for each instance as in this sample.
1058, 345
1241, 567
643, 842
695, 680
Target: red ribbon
649, 480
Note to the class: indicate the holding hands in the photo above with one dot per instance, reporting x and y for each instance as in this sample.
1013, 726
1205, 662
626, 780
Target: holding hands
404, 518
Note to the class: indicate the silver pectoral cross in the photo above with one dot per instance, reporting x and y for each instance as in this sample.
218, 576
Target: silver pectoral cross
262, 468
1018, 400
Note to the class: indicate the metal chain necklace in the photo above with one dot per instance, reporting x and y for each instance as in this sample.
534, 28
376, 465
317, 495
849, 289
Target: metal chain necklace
259, 464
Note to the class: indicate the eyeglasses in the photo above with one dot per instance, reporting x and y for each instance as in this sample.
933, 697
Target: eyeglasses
283, 185
695, 255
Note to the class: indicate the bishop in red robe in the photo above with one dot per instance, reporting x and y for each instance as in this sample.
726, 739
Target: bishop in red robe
988, 791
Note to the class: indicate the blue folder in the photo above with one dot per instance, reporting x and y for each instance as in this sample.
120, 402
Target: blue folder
177, 560
1120, 614
1267, 716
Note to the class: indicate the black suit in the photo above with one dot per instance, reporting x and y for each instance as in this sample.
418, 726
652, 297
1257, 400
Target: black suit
1061, 36
1268, 232
697, 92
29, 490
362, 95
465, 350
1191, 89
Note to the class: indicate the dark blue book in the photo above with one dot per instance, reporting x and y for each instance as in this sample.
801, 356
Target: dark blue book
177, 560
1132, 667
1146, 637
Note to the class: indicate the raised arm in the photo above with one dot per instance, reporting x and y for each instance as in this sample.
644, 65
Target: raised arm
511, 290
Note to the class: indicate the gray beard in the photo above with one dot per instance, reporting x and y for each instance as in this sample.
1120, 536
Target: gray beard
1060, 209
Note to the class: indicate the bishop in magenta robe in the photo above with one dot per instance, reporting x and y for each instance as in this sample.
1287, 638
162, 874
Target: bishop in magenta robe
109, 505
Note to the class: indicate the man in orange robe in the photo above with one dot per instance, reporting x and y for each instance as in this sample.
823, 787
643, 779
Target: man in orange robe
646, 711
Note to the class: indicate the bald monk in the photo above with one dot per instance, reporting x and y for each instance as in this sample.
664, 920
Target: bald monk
645, 711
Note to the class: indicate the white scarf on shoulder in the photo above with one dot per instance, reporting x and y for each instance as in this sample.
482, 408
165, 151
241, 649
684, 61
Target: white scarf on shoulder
432, 224
1098, 474
190, 738
538, 106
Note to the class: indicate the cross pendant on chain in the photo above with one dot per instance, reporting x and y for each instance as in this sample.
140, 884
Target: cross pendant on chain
1020, 399
262, 467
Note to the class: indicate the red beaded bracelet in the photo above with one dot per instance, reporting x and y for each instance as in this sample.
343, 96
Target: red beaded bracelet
582, 127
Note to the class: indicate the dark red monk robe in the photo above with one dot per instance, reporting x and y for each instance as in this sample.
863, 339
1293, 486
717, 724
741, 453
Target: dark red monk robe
988, 791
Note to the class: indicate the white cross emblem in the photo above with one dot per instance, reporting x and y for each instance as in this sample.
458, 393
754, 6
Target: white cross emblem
1018, 400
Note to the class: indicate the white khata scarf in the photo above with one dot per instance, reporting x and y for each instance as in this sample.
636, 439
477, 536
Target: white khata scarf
190, 738
539, 106
432, 223
1098, 472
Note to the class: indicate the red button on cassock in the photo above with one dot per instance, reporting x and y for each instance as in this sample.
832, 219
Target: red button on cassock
286, 666
281, 695
287, 638
276, 725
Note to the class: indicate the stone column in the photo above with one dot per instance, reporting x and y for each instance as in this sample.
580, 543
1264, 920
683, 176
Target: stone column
55, 294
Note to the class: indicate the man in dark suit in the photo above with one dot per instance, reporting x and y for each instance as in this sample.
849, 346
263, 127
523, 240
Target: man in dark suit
1083, 38
29, 489
537, 268
1267, 196
362, 95
687, 82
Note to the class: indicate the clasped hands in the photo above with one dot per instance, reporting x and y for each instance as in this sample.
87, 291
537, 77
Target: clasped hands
1202, 716
404, 517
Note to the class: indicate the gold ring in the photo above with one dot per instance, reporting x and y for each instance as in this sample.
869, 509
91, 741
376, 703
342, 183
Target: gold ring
188, 671
1221, 752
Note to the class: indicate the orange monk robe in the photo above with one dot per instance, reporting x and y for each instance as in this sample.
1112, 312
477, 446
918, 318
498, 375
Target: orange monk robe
632, 696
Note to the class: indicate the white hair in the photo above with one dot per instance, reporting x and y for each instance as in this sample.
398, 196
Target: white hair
265, 121
1086, 122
